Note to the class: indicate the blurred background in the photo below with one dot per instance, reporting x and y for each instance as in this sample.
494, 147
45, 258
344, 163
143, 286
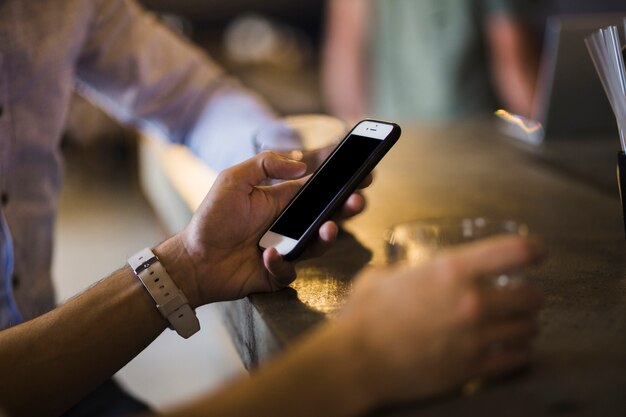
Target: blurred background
275, 47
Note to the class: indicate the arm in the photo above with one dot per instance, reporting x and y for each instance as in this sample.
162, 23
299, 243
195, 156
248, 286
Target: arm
513, 62
406, 334
344, 62
69, 351
146, 75
322, 376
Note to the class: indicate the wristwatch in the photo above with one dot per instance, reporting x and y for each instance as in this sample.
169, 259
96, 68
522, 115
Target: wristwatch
169, 299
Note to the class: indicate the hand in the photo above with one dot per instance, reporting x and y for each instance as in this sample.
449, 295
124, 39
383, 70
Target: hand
217, 257
422, 331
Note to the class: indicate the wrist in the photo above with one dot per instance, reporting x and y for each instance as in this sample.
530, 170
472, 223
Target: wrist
179, 265
369, 381
345, 352
170, 300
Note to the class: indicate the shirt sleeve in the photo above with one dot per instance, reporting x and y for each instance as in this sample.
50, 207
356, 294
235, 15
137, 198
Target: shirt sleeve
145, 75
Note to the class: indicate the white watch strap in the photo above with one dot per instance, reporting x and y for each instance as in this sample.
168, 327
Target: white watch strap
169, 299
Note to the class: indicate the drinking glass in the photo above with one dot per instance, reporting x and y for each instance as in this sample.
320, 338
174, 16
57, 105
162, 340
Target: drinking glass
417, 241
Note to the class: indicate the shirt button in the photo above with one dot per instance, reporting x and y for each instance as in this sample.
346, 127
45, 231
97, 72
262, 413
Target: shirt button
4, 198
15, 281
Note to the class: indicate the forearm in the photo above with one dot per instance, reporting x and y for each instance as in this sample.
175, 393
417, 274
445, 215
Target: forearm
514, 63
344, 66
321, 376
68, 352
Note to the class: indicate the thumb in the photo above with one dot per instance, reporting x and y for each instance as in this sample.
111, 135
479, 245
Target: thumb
284, 192
268, 165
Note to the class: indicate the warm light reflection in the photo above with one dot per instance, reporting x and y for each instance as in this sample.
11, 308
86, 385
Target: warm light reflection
322, 293
527, 125
520, 126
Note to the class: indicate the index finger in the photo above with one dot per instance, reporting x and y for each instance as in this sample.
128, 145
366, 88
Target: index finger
367, 181
496, 255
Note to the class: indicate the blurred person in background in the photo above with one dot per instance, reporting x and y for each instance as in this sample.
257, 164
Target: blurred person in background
406, 333
430, 59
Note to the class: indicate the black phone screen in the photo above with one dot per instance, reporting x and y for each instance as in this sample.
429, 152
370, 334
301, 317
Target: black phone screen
322, 189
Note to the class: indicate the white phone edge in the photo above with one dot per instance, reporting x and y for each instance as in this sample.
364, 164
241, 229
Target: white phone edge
282, 244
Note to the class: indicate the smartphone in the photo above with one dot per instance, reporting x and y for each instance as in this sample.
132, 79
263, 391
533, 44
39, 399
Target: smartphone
329, 186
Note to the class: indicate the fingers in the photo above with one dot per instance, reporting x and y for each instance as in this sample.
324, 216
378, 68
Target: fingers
285, 191
513, 332
504, 361
367, 181
520, 300
328, 233
495, 256
327, 236
354, 205
282, 273
503, 347
264, 166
